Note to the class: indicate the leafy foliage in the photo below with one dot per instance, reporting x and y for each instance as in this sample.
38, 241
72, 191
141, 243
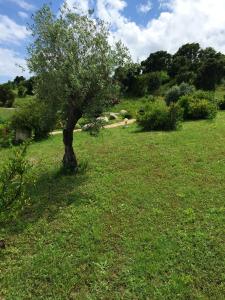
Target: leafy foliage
174, 93
7, 96
73, 61
198, 106
158, 61
34, 116
158, 116
13, 179
221, 103
6, 134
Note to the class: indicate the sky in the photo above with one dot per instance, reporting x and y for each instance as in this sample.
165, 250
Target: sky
144, 26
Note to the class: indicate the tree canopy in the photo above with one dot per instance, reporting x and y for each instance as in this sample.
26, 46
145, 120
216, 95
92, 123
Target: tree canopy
74, 64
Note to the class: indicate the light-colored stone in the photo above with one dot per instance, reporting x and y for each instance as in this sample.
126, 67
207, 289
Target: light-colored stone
113, 116
86, 127
123, 112
103, 119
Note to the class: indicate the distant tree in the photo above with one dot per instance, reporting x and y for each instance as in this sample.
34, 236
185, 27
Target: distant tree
190, 51
210, 74
18, 80
158, 61
74, 64
211, 70
185, 60
29, 85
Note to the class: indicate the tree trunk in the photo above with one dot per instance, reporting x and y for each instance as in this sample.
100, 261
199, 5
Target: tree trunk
69, 159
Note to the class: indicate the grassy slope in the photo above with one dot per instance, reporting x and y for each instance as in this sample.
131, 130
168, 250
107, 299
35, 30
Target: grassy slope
5, 113
146, 221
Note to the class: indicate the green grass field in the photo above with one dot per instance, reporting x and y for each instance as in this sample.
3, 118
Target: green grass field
145, 221
5, 113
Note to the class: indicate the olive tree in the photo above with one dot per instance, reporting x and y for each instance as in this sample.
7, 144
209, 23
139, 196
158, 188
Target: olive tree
74, 64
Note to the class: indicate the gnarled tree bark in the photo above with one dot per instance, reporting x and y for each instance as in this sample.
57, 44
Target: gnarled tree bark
69, 159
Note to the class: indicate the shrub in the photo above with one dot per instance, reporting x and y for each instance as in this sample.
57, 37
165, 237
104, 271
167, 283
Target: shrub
158, 116
210, 96
195, 107
21, 91
7, 96
186, 89
164, 77
13, 178
174, 93
221, 103
6, 135
34, 116
94, 126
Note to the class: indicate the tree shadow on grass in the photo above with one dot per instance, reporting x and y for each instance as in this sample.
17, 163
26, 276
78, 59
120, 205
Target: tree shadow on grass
51, 192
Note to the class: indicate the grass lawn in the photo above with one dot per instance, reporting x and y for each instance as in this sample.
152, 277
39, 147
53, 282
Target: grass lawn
6, 113
145, 221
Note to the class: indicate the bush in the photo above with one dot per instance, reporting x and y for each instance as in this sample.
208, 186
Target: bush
13, 179
21, 91
34, 116
6, 135
196, 107
186, 89
164, 77
158, 116
7, 96
221, 103
94, 126
173, 94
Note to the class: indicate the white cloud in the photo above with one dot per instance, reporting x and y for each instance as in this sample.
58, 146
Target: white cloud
10, 65
179, 22
11, 31
144, 7
23, 15
23, 4
186, 21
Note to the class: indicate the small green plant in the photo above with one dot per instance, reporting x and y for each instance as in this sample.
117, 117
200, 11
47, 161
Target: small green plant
159, 116
6, 135
95, 126
13, 179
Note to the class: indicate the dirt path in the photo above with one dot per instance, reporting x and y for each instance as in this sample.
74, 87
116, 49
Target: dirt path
107, 126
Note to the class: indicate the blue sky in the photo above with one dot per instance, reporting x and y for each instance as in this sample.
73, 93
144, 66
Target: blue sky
144, 26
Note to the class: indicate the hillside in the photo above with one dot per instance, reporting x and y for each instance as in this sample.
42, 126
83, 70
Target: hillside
145, 218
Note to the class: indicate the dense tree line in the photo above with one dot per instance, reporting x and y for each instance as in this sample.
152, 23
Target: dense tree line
203, 68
